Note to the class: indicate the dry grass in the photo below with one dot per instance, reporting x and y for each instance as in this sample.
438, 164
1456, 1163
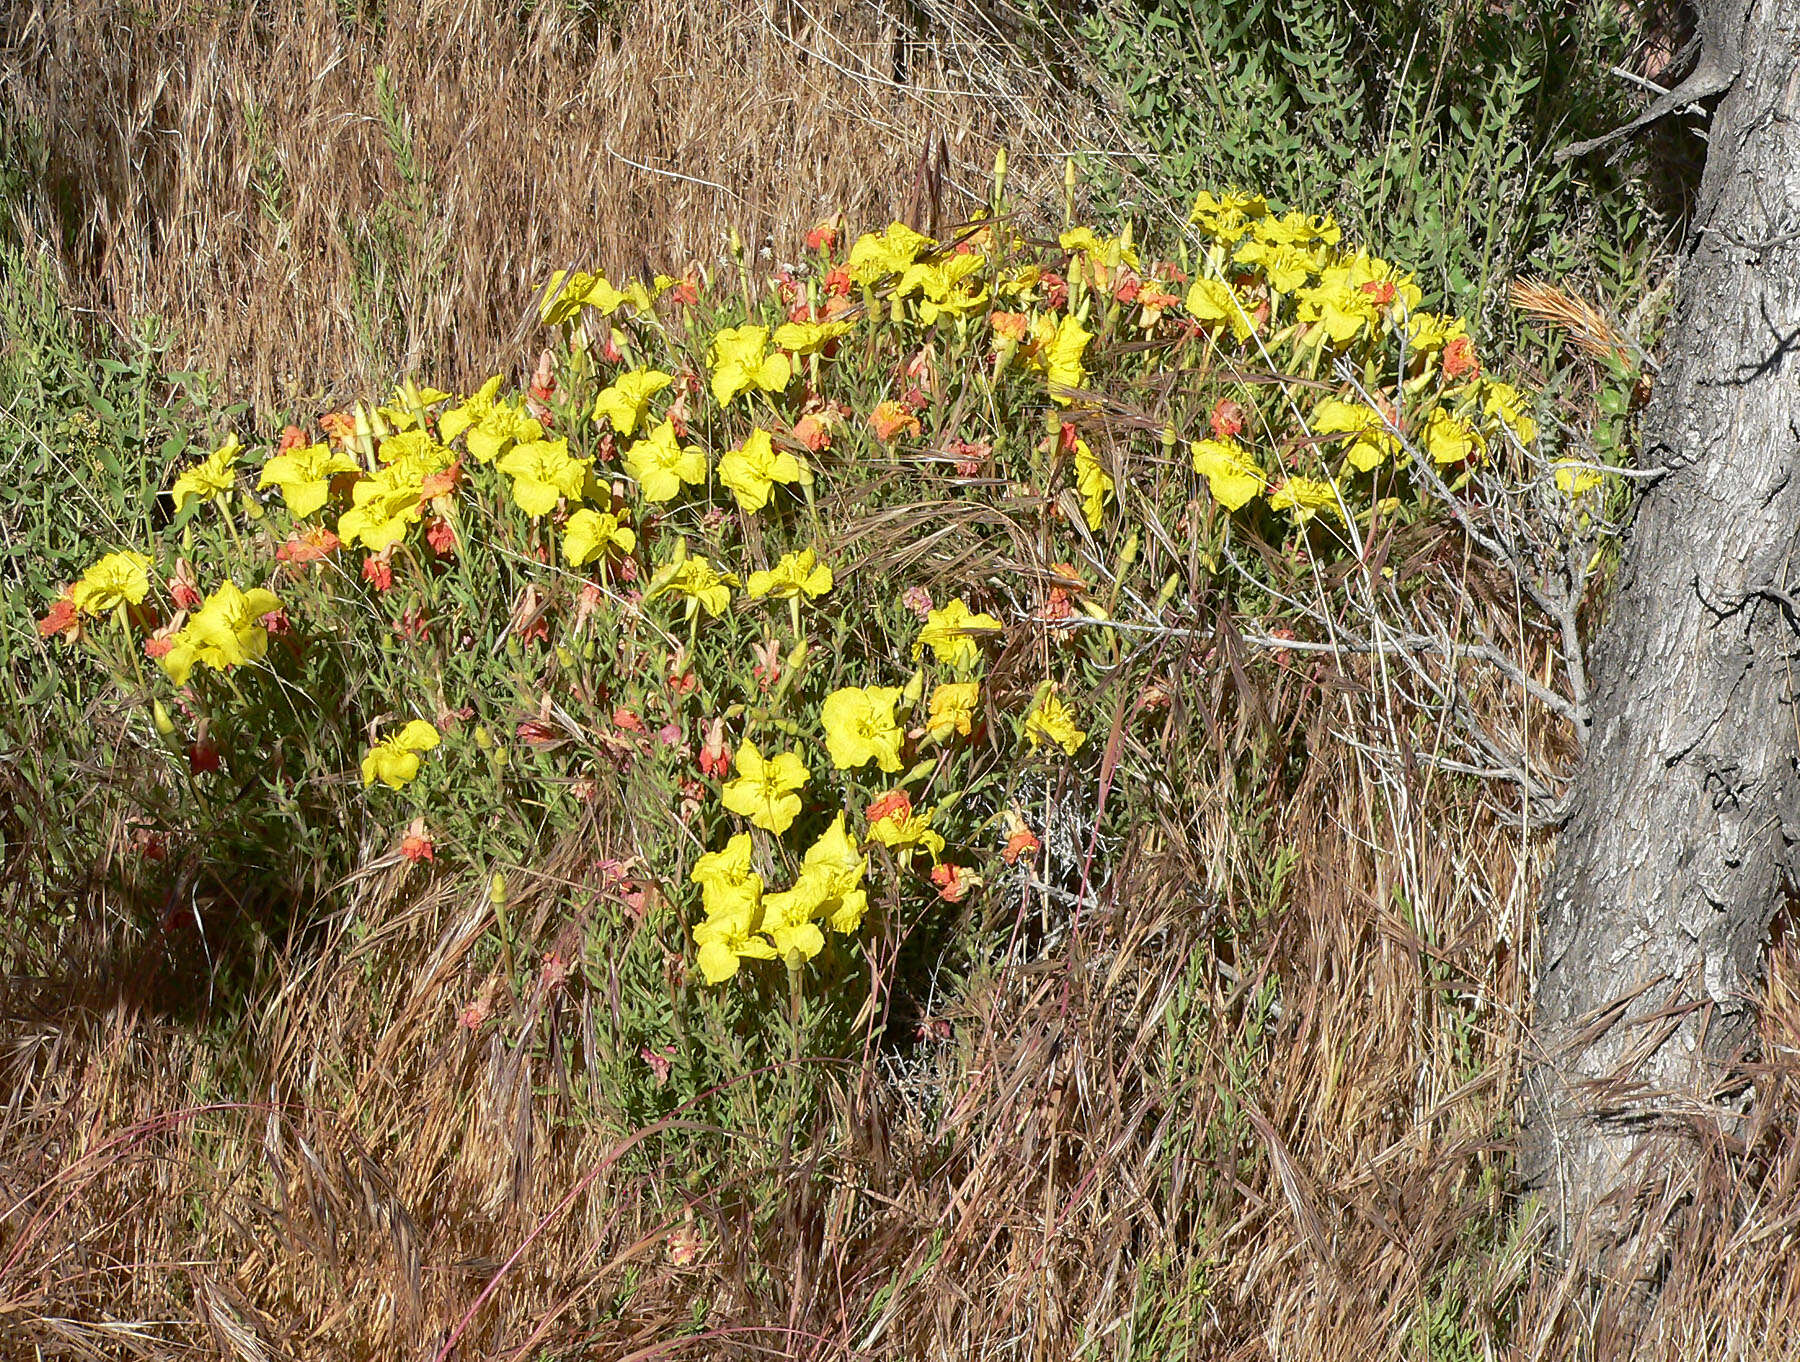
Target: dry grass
1236, 1111
313, 204
1229, 1113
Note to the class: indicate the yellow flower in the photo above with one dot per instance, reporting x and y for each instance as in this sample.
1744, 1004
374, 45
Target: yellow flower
411, 405
506, 425
952, 709
568, 293
740, 364
224, 632
1060, 346
836, 867
1093, 484
1373, 443
872, 256
1303, 498
764, 788
1337, 309
382, 507
115, 580
806, 338
212, 477
471, 411
1110, 251
797, 574
754, 467
1050, 720
704, 586
1213, 300
592, 534
1286, 267
542, 471
787, 920
1230, 471
903, 829
732, 895
304, 476
1505, 403
1450, 439
1572, 480
417, 449
951, 633
625, 401
394, 761
724, 874
1227, 218
661, 465
1428, 332
860, 727
951, 287
1298, 229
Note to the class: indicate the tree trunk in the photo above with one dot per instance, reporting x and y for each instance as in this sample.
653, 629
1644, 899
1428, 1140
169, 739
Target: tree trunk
1679, 846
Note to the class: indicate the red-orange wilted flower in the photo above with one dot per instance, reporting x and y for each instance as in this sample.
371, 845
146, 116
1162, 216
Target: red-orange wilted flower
184, 585
202, 756
378, 572
1459, 359
659, 1061
340, 426
292, 438
715, 756
953, 882
1228, 419
895, 804
415, 846
1381, 290
1013, 326
441, 483
812, 431
312, 545
61, 618
823, 236
890, 420
441, 535
1023, 842
539, 732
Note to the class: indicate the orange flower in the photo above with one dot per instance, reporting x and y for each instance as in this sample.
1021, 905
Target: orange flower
1014, 326
1459, 359
953, 882
415, 846
890, 420
62, 618
1024, 842
895, 804
378, 572
1227, 419
312, 545
811, 431
340, 426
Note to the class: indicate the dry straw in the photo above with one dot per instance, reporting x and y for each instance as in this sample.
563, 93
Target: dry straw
312, 203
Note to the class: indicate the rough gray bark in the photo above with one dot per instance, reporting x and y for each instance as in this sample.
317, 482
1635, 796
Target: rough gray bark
1680, 844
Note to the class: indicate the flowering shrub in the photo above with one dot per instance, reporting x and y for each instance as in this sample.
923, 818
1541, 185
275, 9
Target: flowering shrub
711, 532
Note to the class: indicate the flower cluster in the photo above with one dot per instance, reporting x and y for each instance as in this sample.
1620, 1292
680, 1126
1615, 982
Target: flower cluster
668, 490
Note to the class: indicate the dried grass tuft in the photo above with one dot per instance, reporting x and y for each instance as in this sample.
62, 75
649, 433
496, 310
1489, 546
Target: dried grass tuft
313, 202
